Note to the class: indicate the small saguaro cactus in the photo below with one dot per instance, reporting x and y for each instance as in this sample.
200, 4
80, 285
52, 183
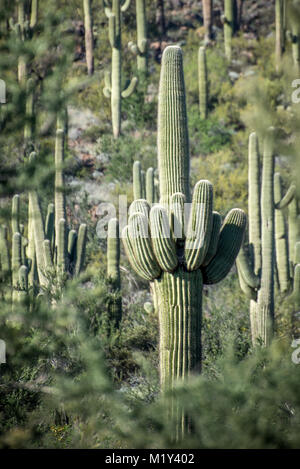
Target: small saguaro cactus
141, 48
88, 31
203, 83
113, 272
207, 7
177, 259
229, 26
144, 184
257, 266
113, 81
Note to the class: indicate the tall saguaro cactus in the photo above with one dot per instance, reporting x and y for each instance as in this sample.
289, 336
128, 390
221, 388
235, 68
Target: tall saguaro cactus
256, 268
88, 31
203, 83
207, 6
176, 263
113, 11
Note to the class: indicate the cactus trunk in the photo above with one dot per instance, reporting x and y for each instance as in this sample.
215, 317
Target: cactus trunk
228, 26
207, 6
203, 85
142, 56
88, 30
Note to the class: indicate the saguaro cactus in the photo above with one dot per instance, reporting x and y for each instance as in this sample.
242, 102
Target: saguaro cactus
141, 48
89, 40
294, 13
256, 268
207, 6
156, 246
112, 88
203, 83
229, 26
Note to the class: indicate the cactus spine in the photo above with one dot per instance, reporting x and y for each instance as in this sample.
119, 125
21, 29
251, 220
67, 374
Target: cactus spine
256, 268
207, 6
112, 88
203, 83
175, 269
89, 41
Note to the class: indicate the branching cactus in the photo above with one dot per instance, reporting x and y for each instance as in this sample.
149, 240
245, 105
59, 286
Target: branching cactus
89, 40
203, 83
177, 259
257, 266
113, 272
113, 82
207, 6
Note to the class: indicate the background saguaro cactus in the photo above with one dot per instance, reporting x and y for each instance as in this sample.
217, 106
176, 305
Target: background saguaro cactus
207, 7
113, 83
203, 83
256, 268
156, 246
141, 48
280, 14
113, 272
229, 26
88, 31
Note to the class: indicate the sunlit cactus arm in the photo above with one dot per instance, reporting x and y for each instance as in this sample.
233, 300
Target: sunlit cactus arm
16, 262
285, 200
228, 26
30, 116
135, 262
295, 296
107, 81
244, 267
125, 5
250, 292
23, 283
113, 252
280, 31
81, 248
294, 228
163, 244
150, 195
207, 7
203, 84
137, 181
34, 13
49, 266
49, 225
254, 203
200, 225
177, 215
139, 206
142, 42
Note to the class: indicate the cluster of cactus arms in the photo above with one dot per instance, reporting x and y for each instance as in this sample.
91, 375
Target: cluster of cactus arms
140, 49
177, 254
113, 81
256, 266
113, 272
145, 184
89, 40
203, 83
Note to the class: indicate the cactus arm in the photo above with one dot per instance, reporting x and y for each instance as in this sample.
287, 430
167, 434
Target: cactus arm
34, 13
137, 180
177, 216
139, 233
254, 203
142, 43
49, 225
127, 92
150, 196
16, 258
4, 250
59, 195
172, 135
230, 241
23, 283
244, 266
125, 6
214, 238
48, 255
61, 247
15, 212
107, 81
112, 29
163, 244
294, 228
72, 247
203, 84
81, 248
113, 252
200, 225
295, 296
287, 199
139, 206
134, 261
228, 26
281, 239
89, 40
250, 292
